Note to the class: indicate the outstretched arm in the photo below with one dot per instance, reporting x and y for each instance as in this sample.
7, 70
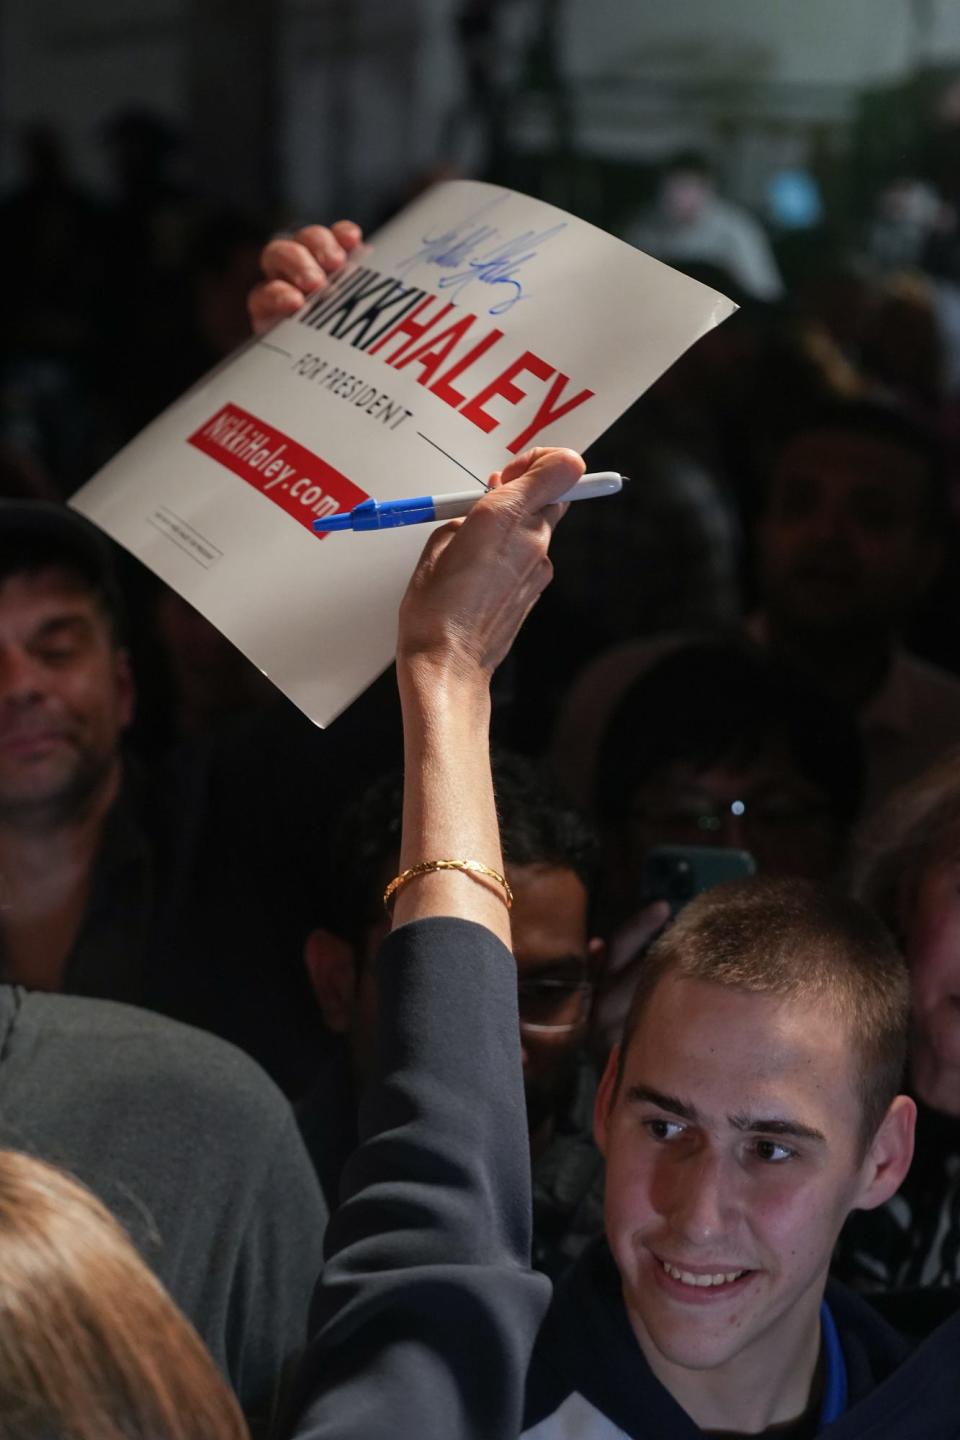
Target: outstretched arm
474, 586
427, 1310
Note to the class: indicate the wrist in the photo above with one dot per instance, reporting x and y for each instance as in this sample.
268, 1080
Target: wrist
449, 810
445, 690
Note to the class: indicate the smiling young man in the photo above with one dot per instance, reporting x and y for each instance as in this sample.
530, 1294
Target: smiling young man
752, 1105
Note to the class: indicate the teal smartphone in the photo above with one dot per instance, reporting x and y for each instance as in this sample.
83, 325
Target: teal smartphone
676, 873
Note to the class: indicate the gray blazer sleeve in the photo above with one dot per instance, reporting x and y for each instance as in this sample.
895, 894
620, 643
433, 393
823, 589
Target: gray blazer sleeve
426, 1312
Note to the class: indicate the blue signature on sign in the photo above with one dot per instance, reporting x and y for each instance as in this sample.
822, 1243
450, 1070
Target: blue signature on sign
477, 253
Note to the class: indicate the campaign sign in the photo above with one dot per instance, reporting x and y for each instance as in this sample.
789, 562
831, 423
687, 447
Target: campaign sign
475, 324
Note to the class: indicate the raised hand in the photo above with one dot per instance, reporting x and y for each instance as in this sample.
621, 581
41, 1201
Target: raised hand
478, 577
298, 266
470, 593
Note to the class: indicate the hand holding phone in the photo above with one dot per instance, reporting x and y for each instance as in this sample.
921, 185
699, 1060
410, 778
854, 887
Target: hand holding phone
671, 875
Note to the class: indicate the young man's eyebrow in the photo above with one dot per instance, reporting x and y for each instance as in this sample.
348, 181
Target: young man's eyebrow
790, 1128
645, 1094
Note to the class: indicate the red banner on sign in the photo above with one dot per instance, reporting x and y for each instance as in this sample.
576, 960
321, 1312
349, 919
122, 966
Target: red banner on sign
292, 477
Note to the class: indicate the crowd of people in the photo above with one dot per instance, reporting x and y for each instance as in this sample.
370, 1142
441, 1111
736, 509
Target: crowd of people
537, 1147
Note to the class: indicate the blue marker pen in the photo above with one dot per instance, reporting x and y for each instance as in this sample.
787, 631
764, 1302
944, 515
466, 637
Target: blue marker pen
421, 509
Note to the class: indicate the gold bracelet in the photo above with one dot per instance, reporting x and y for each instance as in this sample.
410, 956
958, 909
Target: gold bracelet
469, 867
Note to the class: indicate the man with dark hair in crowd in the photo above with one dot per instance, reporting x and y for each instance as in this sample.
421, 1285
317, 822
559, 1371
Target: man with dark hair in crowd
66, 698
849, 538
182, 1137
716, 744
172, 887
551, 868
167, 886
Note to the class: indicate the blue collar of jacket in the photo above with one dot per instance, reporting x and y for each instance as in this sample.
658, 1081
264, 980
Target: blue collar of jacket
586, 1345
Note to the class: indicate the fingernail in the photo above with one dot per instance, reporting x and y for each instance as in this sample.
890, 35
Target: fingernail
311, 278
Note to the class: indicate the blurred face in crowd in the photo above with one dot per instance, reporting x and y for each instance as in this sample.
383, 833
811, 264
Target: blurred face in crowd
211, 677
931, 926
556, 965
734, 1153
684, 195
843, 543
65, 695
766, 806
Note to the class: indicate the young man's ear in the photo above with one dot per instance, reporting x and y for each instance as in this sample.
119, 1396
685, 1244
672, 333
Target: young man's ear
888, 1158
330, 968
603, 1104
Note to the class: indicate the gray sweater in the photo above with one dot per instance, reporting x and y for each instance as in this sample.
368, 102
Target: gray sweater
194, 1150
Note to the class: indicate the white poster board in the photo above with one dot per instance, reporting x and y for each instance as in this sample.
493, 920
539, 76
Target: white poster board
475, 324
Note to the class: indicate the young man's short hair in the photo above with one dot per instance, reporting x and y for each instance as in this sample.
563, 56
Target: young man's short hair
803, 942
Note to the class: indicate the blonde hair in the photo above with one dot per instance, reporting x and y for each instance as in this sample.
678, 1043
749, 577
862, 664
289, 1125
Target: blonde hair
91, 1345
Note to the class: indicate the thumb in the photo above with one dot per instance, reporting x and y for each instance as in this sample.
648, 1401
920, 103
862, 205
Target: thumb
538, 477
